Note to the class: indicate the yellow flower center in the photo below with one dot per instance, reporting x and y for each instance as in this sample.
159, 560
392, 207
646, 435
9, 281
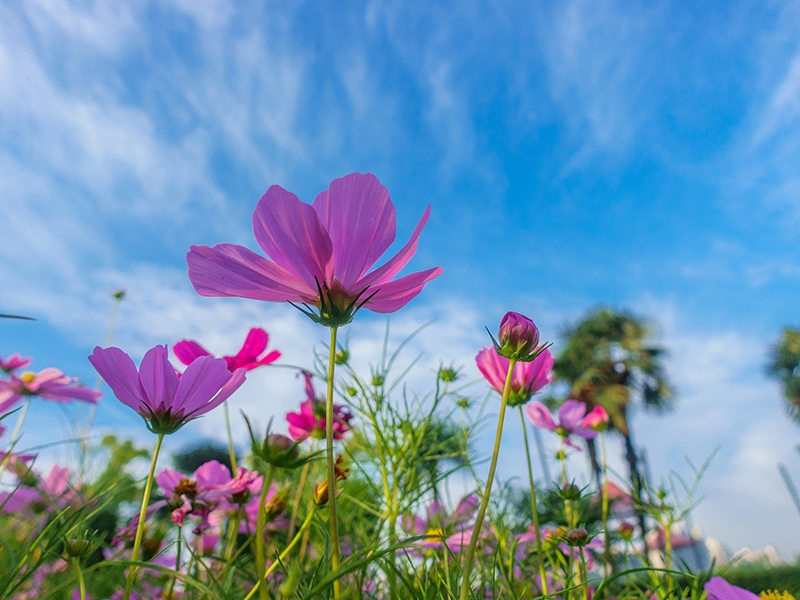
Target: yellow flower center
775, 595
28, 377
435, 534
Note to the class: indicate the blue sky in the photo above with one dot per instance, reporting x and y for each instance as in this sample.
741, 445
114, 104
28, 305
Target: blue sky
641, 155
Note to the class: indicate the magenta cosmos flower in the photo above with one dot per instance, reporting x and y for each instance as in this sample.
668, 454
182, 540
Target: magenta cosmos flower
320, 254
309, 422
719, 589
13, 362
49, 383
249, 357
165, 399
527, 378
572, 419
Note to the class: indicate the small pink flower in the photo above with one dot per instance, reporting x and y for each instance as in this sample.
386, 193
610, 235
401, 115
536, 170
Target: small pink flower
572, 420
320, 254
165, 400
13, 362
310, 421
719, 589
210, 486
247, 358
443, 528
49, 383
527, 378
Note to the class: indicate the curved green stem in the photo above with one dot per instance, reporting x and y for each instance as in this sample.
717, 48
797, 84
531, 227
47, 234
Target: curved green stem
137, 542
476, 531
261, 521
281, 557
231, 449
534, 511
333, 520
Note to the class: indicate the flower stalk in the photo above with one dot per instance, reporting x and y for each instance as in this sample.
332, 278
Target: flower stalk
137, 541
534, 511
473, 541
332, 516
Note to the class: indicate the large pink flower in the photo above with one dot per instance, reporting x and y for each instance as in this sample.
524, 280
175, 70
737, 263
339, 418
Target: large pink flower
49, 383
719, 589
572, 419
247, 358
527, 378
165, 399
320, 253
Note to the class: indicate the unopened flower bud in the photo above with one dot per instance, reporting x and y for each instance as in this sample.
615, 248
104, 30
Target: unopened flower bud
577, 537
321, 489
517, 338
275, 506
350, 390
597, 419
341, 357
463, 402
76, 547
570, 491
448, 374
625, 530
378, 379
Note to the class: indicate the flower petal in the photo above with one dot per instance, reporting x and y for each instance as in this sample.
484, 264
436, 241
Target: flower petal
158, 378
571, 414
493, 367
540, 415
254, 344
361, 223
199, 384
394, 295
291, 234
188, 350
119, 372
395, 264
232, 270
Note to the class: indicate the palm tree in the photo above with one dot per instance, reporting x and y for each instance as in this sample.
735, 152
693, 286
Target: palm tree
608, 361
784, 366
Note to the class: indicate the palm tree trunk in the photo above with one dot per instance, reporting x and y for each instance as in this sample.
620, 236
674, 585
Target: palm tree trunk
637, 485
594, 464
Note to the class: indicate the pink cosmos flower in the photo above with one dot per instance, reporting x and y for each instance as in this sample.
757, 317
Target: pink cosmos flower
719, 589
320, 254
527, 378
48, 492
310, 421
49, 383
247, 358
572, 419
13, 362
209, 486
163, 398
442, 528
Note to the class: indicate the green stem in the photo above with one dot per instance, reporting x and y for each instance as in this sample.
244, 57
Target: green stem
16, 434
261, 521
333, 520
177, 562
476, 531
231, 450
606, 537
79, 574
137, 542
534, 511
281, 557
